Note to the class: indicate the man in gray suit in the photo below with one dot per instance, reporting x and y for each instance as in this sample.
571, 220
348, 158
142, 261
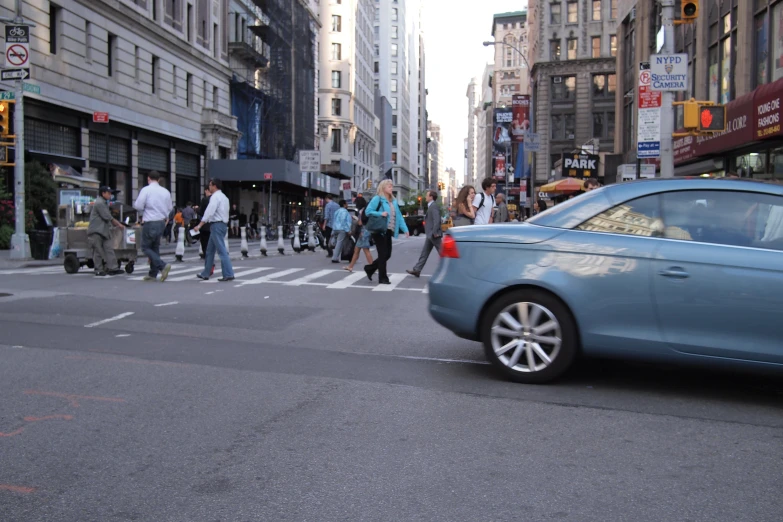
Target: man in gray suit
99, 235
432, 232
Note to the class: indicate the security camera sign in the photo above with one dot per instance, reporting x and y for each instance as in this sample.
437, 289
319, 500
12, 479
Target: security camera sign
669, 72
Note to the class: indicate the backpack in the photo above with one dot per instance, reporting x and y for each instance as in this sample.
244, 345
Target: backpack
363, 217
482, 202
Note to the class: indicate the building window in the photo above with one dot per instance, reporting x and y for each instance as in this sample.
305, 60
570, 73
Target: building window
394, 14
613, 8
596, 46
394, 157
573, 12
603, 125
111, 53
189, 22
768, 55
394, 67
337, 79
613, 45
215, 41
336, 23
596, 10
54, 22
554, 50
215, 98
88, 41
377, 50
336, 140
394, 86
336, 106
394, 31
393, 102
722, 52
563, 88
556, 13
604, 85
377, 67
337, 51
155, 74
394, 139
394, 120
394, 49
572, 46
563, 126
189, 90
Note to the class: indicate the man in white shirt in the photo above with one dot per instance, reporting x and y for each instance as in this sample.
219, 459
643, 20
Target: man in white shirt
217, 216
484, 203
154, 205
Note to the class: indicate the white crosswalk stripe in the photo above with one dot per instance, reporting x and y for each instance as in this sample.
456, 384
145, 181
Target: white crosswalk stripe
395, 279
237, 275
349, 280
310, 277
270, 277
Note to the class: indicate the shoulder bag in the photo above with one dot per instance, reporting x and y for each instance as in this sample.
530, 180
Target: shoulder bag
377, 224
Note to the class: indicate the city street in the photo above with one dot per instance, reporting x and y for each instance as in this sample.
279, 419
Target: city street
302, 392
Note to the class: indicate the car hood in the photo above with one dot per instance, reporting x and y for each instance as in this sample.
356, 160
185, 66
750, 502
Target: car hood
519, 233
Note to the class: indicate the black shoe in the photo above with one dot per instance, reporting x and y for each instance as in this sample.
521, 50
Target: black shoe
369, 271
100, 274
115, 272
226, 279
384, 282
414, 273
335, 261
202, 277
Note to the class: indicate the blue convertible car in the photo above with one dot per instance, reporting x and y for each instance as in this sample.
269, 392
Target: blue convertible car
665, 269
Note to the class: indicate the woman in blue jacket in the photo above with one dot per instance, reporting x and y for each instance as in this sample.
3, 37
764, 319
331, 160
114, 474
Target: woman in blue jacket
384, 205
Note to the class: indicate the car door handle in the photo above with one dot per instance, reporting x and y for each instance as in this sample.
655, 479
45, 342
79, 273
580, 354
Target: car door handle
675, 272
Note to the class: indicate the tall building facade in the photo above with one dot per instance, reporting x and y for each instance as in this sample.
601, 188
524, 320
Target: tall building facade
424, 173
473, 95
437, 165
346, 98
159, 69
484, 125
511, 75
396, 78
734, 59
572, 53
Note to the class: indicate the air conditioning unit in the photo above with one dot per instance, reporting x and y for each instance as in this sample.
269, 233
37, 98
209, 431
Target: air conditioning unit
557, 79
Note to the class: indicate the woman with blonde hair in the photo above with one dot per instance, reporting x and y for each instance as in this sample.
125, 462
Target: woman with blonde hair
384, 222
465, 212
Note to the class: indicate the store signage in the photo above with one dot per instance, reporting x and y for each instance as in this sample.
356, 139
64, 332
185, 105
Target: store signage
648, 122
581, 165
669, 72
267, 176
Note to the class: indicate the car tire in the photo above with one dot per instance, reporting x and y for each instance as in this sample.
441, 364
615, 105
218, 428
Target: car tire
511, 342
416, 232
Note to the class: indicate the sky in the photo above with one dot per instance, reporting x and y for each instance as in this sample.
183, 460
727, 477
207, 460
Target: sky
453, 33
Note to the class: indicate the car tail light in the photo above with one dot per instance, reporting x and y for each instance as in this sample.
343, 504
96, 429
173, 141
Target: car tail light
449, 247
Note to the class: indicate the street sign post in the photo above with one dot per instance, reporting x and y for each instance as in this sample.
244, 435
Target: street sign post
17, 45
27, 87
532, 142
267, 176
310, 161
648, 130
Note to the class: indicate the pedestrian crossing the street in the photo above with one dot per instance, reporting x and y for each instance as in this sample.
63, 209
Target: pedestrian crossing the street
331, 279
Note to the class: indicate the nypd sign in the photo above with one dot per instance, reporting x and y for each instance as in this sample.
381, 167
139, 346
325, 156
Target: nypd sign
669, 72
581, 165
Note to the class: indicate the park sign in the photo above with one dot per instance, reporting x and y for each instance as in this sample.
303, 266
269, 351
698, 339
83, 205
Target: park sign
580, 165
669, 72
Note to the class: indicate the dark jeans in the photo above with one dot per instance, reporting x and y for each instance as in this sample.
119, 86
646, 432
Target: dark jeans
151, 233
383, 242
204, 237
327, 236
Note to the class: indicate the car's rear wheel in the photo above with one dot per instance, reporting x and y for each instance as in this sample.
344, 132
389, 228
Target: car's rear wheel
530, 335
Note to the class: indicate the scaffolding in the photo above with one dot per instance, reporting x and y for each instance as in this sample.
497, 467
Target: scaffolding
273, 89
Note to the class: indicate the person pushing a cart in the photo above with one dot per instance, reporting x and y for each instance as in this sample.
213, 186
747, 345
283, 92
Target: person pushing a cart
99, 235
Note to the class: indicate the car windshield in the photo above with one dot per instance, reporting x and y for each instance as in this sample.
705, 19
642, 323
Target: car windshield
574, 211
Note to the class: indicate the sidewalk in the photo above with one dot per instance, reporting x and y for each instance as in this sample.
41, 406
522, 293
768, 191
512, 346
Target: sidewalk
167, 252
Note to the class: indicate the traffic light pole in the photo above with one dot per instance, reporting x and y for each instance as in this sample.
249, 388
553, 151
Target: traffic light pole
20, 242
667, 114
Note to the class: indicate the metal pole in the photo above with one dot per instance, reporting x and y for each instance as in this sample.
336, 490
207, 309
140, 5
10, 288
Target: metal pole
20, 242
532, 178
269, 209
667, 115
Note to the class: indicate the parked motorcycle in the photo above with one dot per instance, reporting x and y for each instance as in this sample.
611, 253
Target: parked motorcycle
303, 239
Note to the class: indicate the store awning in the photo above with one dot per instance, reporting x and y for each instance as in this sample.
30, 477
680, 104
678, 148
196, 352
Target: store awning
564, 186
261, 170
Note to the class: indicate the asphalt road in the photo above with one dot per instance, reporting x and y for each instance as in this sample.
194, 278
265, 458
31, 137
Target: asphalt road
309, 396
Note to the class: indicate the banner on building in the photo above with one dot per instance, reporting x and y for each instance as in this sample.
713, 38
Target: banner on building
501, 140
520, 124
580, 165
500, 167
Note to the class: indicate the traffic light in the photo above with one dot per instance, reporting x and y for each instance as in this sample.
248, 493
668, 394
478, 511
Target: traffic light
689, 11
690, 114
712, 118
5, 118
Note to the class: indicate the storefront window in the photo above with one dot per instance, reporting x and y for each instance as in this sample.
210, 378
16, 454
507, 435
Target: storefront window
713, 74
775, 168
777, 42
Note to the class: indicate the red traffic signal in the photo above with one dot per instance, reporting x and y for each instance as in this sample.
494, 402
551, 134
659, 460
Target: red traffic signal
712, 118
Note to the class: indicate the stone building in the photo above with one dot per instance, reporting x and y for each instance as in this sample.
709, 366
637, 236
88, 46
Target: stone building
573, 45
511, 75
159, 69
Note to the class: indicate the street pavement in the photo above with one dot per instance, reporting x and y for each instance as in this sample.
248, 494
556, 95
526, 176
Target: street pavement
299, 392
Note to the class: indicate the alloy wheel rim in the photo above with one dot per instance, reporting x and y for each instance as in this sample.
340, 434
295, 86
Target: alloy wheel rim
526, 337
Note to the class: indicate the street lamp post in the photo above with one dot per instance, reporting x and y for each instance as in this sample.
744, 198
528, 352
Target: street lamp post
532, 178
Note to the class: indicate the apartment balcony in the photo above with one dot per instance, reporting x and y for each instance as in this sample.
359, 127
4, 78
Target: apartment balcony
251, 49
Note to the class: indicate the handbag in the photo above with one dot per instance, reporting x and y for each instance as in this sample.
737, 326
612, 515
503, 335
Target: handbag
377, 224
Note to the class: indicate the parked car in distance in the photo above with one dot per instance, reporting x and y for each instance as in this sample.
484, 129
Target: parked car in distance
415, 224
675, 270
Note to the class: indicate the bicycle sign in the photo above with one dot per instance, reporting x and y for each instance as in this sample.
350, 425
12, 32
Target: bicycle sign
17, 45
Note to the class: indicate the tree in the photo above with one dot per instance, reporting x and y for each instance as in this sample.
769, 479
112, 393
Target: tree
40, 189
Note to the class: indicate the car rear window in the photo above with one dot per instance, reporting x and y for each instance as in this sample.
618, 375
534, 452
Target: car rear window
574, 211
